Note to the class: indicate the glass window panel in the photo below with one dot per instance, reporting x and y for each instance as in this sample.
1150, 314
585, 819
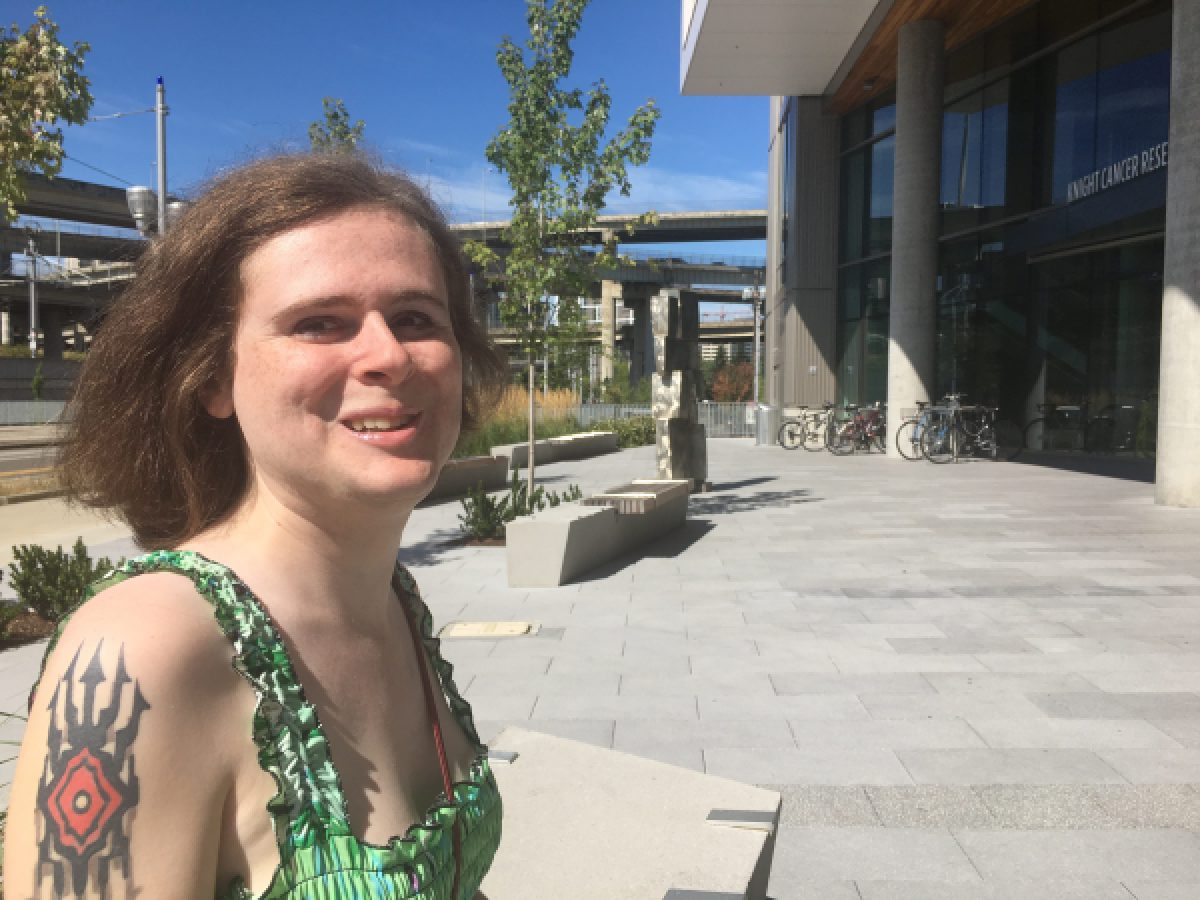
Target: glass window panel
883, 169
1059, 19
850, 361
854, 129
1133, 88
1012, 40
854, 193
875, 360
1074, 116
994, 148
962, 138
964, 70
883, 119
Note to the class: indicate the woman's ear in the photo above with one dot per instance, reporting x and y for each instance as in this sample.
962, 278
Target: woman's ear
217, 399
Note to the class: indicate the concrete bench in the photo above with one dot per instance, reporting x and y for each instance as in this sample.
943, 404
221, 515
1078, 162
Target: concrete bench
558, 449
593, 824
551, 547
460, 475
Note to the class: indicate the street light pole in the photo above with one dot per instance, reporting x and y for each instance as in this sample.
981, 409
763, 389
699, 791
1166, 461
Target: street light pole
160, 118
32, 298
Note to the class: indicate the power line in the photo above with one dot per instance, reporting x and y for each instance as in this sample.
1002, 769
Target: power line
97, 169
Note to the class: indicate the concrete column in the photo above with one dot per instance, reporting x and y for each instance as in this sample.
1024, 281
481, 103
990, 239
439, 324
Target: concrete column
6, 337
913, 322
51, 320
776, 304
610, 293
1178, 469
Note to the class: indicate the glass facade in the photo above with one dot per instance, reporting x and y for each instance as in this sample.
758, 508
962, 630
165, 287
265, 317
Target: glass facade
1052, 193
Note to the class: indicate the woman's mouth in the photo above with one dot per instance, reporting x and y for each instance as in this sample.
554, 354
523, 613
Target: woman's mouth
373, 424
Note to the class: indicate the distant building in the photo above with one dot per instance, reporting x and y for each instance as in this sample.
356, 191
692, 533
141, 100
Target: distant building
972, 196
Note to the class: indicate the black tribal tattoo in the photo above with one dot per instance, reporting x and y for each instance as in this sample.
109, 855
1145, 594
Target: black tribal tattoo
88, 786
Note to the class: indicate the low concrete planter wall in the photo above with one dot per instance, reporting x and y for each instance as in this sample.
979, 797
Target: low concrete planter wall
460, 475
551, 547
569, 446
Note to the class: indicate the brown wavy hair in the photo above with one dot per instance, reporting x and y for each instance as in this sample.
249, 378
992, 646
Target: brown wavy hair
139, 440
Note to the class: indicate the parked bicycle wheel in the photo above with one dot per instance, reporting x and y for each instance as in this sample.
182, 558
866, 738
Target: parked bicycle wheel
814, 437
842, 439
940, 442
791, 435
1010, 440
908, 440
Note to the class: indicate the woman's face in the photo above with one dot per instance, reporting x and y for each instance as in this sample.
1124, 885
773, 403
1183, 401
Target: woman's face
347, 377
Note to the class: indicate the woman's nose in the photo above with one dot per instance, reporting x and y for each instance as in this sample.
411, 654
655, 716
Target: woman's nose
381, 355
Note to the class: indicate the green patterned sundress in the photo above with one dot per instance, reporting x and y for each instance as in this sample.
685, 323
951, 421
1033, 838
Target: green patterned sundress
320, 859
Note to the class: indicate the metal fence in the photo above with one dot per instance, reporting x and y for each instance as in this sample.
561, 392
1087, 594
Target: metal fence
30, 412
718, 419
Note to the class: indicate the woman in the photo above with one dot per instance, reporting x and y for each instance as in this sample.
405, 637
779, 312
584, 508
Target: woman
274, 394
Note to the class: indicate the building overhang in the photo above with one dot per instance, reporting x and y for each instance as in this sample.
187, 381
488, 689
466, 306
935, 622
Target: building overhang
771, 47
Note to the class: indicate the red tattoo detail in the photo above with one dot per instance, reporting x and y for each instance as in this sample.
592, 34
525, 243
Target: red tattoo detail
83, 802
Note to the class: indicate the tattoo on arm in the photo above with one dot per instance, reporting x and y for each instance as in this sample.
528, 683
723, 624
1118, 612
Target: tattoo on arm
88, 790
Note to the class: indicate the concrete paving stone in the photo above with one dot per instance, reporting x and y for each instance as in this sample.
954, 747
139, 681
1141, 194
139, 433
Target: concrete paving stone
1006, 683
967, 646
516, 706
1150, 805
1048, 805
581, 665
732, 683
1179, 765
740, 733
805, 660
827, 766
726, 707
1102, 705
1089, 734
598, 732
876, 630
1007, 767
950, 706
1185, 731
818, 805
788, 683
1080, 644
862, 661
606, 685
928, 806
1164, 890
1003, 889
823, 855
568, 706
900, 734
1118, 854
504, 665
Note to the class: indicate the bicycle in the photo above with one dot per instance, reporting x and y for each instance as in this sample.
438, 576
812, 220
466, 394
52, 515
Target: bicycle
968, 431
864, 429
908, 435
807, 430
1123, 428
1060, 428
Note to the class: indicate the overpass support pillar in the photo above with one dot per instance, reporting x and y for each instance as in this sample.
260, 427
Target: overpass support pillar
52, 327
610, 293
1177, 481
913, 320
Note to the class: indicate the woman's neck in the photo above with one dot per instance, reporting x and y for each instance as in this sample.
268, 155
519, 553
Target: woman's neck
312, 570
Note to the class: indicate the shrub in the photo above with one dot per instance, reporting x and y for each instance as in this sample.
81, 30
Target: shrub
636, 431
485, 517
51, 583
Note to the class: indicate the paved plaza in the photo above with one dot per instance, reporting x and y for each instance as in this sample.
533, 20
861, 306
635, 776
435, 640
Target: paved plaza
970, 681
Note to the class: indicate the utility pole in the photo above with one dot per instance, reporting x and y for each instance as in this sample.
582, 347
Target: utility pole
160, 118
32, 250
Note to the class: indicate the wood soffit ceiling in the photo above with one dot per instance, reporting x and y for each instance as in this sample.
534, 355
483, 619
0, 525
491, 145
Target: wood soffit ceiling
964, 19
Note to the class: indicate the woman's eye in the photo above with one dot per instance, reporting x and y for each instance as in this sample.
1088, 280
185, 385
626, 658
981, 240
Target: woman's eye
316, 328
411, 320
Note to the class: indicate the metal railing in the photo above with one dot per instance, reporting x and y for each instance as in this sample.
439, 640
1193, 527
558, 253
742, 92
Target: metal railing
718, 419
30, 412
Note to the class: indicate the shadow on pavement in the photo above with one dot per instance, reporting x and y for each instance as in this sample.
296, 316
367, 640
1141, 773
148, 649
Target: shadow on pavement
432, 549
749, 482
668, 546
716, 504
1092, 464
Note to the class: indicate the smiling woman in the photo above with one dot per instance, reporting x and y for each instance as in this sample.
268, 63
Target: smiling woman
271, 398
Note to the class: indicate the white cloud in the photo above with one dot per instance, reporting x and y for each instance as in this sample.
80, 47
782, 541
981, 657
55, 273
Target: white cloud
466, 196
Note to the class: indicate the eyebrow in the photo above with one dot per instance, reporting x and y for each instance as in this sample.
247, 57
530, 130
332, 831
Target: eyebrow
340, 301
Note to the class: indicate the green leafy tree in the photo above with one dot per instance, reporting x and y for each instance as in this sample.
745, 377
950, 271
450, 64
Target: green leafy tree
336, 134
561, 170
41, 84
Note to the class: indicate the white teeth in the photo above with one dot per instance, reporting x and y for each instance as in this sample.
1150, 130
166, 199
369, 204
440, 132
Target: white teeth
362, 425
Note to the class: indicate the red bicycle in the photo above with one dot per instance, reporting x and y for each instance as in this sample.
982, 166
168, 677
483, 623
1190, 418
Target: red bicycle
866, 429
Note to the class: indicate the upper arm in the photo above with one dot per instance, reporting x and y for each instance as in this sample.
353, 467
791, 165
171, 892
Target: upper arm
116, 791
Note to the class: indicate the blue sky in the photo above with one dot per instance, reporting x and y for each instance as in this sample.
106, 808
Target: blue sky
246, 78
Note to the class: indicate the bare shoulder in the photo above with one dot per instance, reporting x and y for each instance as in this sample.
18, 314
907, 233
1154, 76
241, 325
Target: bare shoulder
157, 626
137, 692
